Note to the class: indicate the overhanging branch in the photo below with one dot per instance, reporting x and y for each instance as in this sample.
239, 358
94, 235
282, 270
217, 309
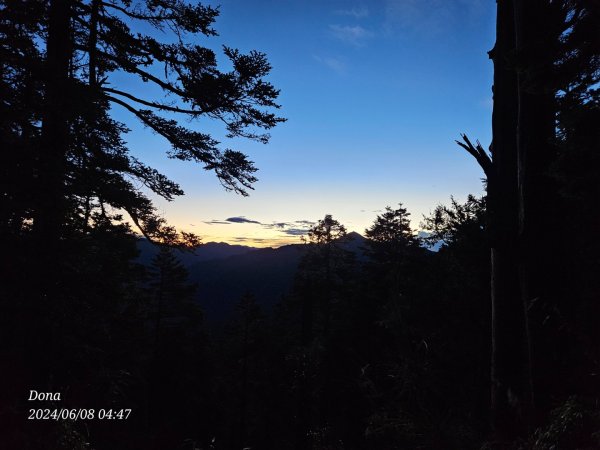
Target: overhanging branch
153, 104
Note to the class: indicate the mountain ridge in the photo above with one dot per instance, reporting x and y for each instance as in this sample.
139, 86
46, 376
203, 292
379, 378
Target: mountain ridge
225, 272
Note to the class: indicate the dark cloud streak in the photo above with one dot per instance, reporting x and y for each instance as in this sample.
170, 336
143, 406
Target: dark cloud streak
295, 228
296, 231
242, 219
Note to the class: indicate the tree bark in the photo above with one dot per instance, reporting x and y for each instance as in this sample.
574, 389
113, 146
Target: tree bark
50, 209
535, 130
52, 157
510, 369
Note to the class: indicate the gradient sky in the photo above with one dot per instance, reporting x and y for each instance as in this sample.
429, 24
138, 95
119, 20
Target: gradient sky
375, 94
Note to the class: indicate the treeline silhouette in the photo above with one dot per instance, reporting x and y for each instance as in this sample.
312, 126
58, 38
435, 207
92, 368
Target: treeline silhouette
491, 342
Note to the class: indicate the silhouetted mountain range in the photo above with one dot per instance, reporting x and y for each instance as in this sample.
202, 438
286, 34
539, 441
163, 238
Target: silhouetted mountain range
224, 272
205, 252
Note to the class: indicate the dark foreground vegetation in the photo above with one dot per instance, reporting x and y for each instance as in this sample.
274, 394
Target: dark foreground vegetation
491, 342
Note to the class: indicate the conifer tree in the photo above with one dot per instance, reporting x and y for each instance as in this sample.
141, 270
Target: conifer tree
392, 228
545, 53
80, 51
176, 337
70, 182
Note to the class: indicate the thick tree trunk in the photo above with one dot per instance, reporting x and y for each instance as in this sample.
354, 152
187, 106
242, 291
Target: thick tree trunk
43, 305
535, 129
50, 210
511, 386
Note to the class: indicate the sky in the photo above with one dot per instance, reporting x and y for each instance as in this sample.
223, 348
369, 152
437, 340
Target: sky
375, 94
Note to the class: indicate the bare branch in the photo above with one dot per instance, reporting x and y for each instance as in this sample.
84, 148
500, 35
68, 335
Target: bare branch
134, 15
152, 104
480, 155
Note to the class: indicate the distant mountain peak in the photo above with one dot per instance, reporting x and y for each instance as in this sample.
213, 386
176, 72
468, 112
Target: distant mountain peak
226, 244
355, 235
204, 252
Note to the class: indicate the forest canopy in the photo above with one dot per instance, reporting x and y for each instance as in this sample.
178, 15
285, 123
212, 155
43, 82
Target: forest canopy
63, 68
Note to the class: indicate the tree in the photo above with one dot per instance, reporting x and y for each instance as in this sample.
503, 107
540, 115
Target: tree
511, 393
561, 191
543, 49
426, 357
246, 328
462, 231
320, 285
20, 91
324, 262
70, 176
176, 336
82, 46
173, 294
82, 172
393, 252
391, 233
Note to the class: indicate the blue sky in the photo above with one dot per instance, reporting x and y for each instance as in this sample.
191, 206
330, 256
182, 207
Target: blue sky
375, 94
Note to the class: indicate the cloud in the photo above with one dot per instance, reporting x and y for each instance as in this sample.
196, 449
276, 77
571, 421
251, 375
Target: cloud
353, 35
216, 222
241, 219
432, 17
417, 15
292, 228
249, 239
356, 12
335, 64
279, 225
296, 228
296, 231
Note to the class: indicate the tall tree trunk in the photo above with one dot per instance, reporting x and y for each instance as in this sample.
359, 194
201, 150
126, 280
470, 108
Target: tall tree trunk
50, 211
91, 112
535, 130
511, 387
43, 305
